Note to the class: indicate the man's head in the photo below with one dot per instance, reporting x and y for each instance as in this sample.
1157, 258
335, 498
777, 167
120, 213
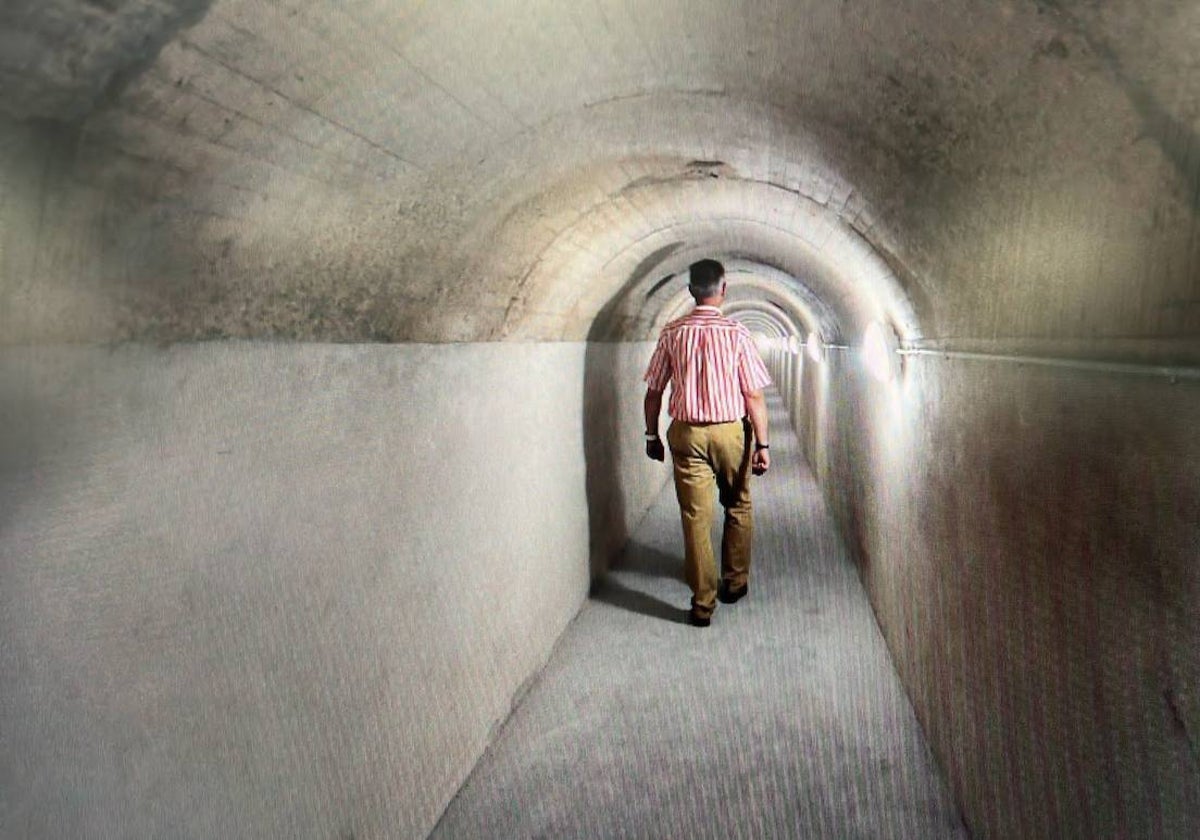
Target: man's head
706, 280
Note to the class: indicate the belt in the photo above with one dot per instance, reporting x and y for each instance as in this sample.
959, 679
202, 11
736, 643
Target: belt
710, 422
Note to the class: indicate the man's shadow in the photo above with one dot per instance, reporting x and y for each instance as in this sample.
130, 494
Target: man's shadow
645, 561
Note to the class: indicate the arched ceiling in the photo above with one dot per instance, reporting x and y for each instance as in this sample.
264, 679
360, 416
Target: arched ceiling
381, 170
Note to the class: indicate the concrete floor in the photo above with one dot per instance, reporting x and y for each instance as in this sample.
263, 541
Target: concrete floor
784, 718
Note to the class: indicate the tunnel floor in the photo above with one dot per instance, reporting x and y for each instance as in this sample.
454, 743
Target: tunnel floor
785, 718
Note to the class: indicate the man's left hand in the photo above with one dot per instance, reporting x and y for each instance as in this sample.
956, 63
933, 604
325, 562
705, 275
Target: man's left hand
760, 462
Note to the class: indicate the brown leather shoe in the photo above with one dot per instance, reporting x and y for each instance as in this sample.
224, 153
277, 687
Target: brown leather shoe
731, 596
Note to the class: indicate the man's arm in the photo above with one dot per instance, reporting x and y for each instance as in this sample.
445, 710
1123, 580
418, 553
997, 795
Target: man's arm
756, 408
753, 375
652, 407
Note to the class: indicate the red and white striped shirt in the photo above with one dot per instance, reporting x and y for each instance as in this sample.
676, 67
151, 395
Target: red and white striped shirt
710, 362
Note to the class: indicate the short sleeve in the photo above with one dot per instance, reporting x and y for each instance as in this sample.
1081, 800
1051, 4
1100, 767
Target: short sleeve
752, 372
658, 373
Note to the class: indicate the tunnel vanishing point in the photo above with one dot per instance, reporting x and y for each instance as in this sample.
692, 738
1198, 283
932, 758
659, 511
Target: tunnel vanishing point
322, 327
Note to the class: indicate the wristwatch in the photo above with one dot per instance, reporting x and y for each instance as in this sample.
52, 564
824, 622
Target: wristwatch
759, 446
651, 436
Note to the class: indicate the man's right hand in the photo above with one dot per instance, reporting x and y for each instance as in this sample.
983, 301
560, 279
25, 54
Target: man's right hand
655, 450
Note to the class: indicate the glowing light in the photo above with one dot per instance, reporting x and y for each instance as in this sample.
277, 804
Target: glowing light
814, 346
877, 353
793, 344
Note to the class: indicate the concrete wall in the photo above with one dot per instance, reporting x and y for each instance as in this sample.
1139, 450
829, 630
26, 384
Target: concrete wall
265, 590
1028, 536
621, 481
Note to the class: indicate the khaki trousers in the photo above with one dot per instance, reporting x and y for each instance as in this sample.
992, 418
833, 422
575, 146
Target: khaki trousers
705, 455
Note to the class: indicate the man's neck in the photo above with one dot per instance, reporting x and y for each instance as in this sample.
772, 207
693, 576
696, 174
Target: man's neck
709, 304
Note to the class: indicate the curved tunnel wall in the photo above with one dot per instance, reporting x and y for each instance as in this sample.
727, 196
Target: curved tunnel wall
1011, 189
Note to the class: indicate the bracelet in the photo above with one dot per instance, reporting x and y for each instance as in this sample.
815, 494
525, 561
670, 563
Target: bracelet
759, 446
651, 436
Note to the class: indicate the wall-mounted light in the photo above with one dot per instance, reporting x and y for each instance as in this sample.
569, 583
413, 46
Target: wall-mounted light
815, 347
879, 351
793, 344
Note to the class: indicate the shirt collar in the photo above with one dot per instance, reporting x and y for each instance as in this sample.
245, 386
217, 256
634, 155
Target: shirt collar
707, 308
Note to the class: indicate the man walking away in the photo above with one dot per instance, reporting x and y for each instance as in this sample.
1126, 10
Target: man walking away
717, 380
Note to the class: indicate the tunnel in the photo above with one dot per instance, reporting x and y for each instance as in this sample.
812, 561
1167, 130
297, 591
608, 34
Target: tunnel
322, 334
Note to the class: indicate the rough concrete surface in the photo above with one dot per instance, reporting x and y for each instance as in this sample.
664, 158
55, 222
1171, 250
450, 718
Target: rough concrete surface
59, 59
1018, 180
